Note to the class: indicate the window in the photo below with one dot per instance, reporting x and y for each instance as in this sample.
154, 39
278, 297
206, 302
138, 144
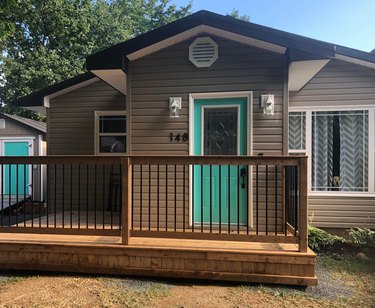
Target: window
110, 130
339, 148
340, 151
297, 133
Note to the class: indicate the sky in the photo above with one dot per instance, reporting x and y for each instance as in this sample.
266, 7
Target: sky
350, 23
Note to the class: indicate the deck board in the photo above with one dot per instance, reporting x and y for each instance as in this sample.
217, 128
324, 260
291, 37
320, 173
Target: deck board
147, 242
161, 257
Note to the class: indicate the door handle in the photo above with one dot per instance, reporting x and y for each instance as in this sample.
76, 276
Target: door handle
243, 174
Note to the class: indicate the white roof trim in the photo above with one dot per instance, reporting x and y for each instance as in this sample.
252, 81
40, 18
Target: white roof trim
207, 30
116, 78
301, 72
354, 60
67, 90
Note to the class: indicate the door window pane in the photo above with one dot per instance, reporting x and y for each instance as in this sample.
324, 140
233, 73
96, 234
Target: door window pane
220, 131
340, 151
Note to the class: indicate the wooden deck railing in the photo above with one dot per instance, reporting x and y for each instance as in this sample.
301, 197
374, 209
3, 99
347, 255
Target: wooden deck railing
261, 198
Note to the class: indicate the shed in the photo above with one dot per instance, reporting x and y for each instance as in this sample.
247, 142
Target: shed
21, 136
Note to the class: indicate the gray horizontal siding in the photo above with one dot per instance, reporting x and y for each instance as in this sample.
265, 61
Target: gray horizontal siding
169, 72
12, 129
338, 83
348, 212
71, 118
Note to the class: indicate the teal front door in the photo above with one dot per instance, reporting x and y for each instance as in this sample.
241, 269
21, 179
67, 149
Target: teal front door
16, 180
220, 192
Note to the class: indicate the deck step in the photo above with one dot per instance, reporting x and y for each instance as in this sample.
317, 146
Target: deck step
146, 258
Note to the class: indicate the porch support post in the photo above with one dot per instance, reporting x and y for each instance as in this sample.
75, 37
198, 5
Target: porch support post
126, 199
302, 228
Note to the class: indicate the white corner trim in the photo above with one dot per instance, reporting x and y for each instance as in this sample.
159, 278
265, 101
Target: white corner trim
203, 29
16, 138
42, 167
371, 148
47, 98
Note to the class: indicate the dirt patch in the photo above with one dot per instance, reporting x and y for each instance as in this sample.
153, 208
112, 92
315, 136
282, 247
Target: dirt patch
79, 291
50, 291
342, 283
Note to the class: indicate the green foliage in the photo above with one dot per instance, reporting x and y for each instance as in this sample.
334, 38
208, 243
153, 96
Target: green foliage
359, 240
6, 26
236, 14
51, 38
320, 240
362, 237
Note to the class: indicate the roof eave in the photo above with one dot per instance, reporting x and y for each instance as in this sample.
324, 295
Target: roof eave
114, 56
36, 99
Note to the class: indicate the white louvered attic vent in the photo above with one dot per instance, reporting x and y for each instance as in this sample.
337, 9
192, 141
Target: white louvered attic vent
203, 52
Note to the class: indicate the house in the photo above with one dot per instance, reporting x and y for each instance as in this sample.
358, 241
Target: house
195, 138
21, 136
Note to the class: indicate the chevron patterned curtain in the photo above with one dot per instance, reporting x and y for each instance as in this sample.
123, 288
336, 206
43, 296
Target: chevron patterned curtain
322, 151
354, 151
297, 129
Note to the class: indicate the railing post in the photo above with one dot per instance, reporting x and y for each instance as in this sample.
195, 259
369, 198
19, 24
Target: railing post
126, 199
302, 229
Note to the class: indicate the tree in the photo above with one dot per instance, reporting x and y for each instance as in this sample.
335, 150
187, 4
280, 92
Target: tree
236, 14
51, 38
6, 26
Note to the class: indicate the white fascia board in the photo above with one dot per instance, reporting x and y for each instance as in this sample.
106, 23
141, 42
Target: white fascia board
301, 72
206, 30
116, 78
354, 61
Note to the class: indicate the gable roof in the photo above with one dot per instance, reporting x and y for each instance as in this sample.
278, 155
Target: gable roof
113, 57
40, 126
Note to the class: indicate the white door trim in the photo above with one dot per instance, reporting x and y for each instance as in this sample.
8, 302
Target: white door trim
243, 94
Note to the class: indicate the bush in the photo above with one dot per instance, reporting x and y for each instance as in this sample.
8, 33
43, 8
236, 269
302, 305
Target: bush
320, 240
362, 237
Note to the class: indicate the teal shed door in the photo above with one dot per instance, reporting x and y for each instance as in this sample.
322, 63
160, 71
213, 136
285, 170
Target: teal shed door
220, 128
16, 181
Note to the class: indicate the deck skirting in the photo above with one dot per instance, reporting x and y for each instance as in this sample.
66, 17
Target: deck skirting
162, 260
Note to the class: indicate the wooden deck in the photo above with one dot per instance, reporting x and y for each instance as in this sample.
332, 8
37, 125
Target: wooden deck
217, 260
80, 227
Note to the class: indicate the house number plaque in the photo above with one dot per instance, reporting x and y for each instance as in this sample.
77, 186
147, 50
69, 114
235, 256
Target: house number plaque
178, 137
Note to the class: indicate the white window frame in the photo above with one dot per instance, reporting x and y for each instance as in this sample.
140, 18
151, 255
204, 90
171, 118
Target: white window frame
371, 147
97, 134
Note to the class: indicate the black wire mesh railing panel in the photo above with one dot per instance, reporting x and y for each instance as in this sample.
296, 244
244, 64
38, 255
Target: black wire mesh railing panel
61, 196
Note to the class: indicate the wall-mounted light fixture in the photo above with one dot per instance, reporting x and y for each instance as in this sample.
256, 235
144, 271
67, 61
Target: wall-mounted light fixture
175, 105
267, 102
